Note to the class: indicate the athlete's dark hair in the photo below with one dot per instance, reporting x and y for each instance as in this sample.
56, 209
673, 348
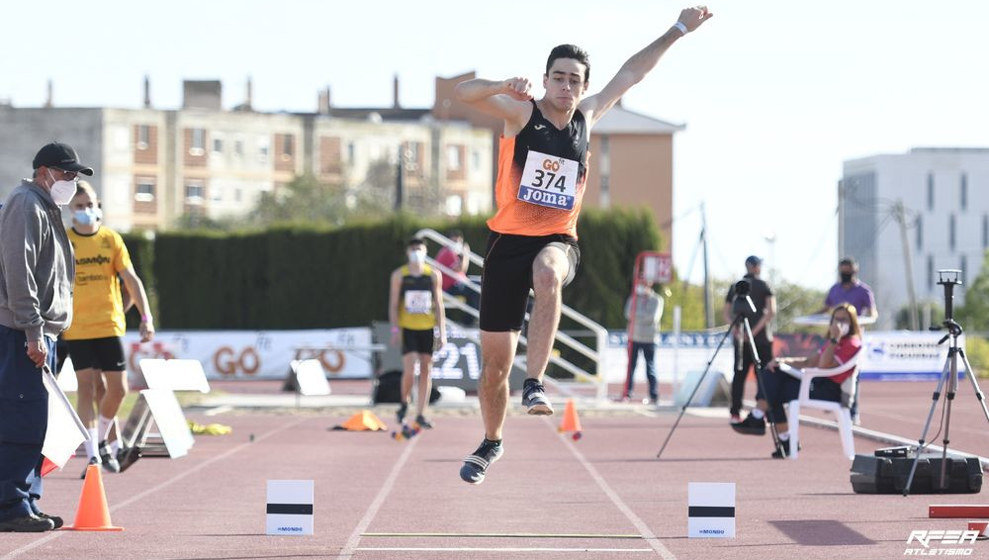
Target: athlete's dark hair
415, 241
570, 51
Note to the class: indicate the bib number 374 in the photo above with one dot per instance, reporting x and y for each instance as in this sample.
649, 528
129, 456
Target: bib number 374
549, 181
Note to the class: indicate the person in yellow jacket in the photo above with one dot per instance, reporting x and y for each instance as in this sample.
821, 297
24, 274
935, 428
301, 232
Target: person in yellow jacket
415, 308
95, 338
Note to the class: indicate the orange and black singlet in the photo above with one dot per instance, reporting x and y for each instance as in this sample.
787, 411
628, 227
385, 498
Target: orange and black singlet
541, 176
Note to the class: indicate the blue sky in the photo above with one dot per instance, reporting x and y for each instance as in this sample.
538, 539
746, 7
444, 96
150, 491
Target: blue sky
775, 94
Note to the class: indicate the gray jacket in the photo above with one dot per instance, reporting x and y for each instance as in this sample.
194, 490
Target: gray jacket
37, 267
648, 312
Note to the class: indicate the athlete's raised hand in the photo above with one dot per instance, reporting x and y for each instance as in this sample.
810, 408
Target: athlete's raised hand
692, 18
517, 88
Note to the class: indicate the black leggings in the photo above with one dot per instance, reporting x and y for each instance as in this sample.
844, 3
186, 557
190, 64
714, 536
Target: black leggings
782, 388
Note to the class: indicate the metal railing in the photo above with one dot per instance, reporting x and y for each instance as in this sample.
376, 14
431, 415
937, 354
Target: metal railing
597, 377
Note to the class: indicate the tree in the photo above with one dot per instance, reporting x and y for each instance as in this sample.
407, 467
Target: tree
974, 315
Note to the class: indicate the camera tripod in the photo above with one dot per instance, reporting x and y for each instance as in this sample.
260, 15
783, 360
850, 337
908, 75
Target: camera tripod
742, 309
949, 377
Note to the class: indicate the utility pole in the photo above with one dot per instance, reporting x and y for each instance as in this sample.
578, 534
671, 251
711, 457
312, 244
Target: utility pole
400, 178
708, 317
899, 213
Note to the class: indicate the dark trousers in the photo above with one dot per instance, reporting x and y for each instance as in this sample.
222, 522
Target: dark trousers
648, 350
23, 422
743, 361
782, 388
473, 298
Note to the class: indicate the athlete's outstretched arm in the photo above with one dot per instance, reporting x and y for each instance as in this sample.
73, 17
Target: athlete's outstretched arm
641, 63
506, 99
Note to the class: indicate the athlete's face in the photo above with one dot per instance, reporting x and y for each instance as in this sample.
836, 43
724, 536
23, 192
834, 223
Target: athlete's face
565, 85
81, 201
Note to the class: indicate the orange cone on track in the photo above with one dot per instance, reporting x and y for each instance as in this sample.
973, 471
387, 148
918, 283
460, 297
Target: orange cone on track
362, 421
93, 513
571, 423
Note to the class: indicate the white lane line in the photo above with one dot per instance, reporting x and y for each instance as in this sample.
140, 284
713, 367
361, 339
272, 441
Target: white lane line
499, 549
637, 521
355, 537
56, 534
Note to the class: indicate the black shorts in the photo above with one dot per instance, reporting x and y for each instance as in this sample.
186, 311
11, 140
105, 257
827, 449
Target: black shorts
104, 354
419, 342
507, 276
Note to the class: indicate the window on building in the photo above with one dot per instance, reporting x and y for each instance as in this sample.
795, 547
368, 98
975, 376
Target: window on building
239, 147
920, 233
930, 191
288, 144
351, 153
216, 194
963, 266
952, 229
143, 136
475, 160
198, 144
453, 162
264, 144
144, 191
194, 192
930, 272
985, 231
964, 191
217, 146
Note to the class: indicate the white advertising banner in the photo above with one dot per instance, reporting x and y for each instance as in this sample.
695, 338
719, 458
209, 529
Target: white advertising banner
343, 353
889, 355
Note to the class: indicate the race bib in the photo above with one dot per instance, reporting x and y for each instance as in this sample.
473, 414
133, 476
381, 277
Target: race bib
418, 302
549, 181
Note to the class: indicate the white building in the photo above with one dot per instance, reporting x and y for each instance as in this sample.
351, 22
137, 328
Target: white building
943, 224
154, 166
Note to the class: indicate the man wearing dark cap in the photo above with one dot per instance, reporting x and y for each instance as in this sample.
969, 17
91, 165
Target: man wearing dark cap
765, 305
36, 265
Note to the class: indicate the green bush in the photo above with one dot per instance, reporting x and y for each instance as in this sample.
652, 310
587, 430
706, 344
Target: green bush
295, 276
142, 254
977, 350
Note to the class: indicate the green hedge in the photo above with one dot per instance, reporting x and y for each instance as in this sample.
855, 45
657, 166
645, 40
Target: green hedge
142, 254
319, 277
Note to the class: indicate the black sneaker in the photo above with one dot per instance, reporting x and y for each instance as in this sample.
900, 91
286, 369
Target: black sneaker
56, 520
476, 464
423, 423
92, 461
27, 524
127, 456
534, 398
402, 409
785, 444
750, 426
110, 463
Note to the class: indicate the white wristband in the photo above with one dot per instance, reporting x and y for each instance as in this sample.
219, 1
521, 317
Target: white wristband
679, 25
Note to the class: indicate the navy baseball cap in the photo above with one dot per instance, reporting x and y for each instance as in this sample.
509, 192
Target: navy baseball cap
753, 260
60, 156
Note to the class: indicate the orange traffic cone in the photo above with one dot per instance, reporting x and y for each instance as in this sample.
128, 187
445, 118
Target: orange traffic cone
570, 421
364, 420
93, 513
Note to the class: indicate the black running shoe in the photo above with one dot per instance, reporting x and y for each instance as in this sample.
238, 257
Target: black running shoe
476, 464
423, 423
26, 524
402, 409
127, 456
785, 444
56, 520
751, 426
534, 398
92, 461
110, 463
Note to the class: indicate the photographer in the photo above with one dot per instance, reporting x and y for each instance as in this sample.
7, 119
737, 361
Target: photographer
844, 341
765, 308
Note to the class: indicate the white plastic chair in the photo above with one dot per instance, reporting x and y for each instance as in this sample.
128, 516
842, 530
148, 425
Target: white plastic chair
841, 412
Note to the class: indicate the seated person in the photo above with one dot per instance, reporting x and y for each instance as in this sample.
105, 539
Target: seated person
844, 341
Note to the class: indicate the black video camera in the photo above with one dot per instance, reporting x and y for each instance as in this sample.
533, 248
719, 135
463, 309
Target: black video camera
742, 305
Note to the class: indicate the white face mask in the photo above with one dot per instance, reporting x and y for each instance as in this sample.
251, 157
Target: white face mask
416, 257
843, 327
643, 290
62, 191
